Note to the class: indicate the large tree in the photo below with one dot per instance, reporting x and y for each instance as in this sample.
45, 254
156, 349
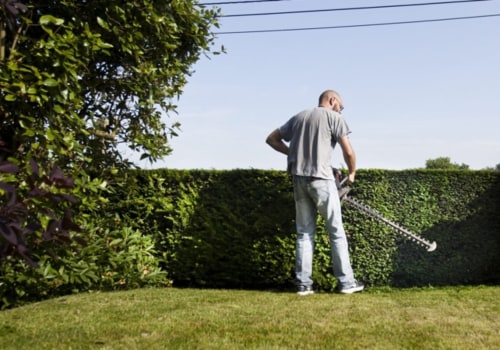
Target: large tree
444, 163
78, 80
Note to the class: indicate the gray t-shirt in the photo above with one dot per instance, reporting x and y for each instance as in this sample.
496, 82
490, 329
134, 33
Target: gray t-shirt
313, 134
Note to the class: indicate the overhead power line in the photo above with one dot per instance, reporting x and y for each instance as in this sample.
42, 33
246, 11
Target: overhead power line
358, 25
351, 8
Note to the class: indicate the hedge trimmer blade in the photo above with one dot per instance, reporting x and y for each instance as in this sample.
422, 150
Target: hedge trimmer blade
343, 194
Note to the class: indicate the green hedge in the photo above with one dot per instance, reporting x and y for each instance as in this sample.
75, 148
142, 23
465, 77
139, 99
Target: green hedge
235, 229
215, 228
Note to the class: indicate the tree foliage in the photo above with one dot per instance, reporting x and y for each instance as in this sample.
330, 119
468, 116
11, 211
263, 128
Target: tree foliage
495, 168
444, 163
78, 80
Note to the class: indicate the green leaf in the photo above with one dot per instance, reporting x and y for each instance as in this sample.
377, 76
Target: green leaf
102, 23
49, 135
29, 133
58, 109
50, 82
47, 19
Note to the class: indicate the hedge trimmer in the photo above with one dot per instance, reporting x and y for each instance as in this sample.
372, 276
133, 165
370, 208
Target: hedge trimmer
343, 194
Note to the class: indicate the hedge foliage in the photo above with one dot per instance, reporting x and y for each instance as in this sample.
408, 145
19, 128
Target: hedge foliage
236, 229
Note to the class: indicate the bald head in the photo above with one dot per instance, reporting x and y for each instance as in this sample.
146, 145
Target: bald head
332, 100
327, 95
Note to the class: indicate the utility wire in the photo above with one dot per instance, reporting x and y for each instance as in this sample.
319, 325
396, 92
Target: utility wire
350, 8
358, 25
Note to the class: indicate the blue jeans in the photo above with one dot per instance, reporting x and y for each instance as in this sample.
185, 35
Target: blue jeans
313, 195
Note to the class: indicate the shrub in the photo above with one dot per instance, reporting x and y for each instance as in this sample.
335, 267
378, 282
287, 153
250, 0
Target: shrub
113, 258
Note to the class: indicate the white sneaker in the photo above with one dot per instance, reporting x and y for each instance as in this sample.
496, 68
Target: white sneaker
356, 287
305, 290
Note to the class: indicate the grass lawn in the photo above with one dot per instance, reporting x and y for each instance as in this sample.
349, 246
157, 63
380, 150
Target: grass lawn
428, 318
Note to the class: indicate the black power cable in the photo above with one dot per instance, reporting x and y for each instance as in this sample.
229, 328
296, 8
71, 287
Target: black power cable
351, 8
359, 25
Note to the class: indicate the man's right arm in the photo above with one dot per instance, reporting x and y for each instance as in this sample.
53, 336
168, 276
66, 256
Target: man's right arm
276, 142
349, 157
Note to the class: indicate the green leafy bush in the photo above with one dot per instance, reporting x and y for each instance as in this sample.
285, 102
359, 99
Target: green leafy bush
116, 257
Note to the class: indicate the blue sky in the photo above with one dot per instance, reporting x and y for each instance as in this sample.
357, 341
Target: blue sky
411, 92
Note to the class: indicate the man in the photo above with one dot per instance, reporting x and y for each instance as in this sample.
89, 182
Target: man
312, 135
